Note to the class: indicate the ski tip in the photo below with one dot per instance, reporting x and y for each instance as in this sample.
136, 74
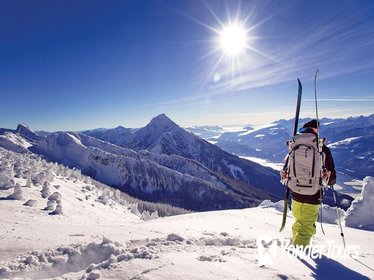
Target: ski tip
298, 81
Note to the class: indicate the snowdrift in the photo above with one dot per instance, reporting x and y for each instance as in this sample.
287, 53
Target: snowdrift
360, 214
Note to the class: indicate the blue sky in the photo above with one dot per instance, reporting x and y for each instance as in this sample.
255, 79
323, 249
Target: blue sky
70, 65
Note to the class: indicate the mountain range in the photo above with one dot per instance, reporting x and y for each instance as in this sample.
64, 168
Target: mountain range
350, 140
160, 162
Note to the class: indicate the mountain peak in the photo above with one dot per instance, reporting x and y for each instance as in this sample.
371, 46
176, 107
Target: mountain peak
161, 117
162, 121
152, 132
22, 126
120, 127
26, 132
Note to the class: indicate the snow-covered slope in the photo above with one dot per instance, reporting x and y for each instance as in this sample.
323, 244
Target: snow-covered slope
96, 237
18, 140
41, 188
156, 178
14, 142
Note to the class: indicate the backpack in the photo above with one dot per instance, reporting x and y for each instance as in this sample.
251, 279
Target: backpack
304, 164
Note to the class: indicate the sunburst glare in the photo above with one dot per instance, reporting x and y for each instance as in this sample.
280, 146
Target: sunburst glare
233, 39
232, 43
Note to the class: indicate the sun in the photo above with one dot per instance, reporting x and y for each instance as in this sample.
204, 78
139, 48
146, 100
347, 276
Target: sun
231, 42
233, 39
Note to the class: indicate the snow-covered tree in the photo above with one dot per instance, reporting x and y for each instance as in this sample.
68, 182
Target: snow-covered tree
31, 203
57, 211
45, 191
5, 176
104, 198
51, 205
18, 194
56, 196
146, 215
360, 213
28, 182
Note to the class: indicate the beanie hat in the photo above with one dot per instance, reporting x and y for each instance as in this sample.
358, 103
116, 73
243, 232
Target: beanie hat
311, 124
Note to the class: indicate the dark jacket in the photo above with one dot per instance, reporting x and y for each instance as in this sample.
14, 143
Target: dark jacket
330, 166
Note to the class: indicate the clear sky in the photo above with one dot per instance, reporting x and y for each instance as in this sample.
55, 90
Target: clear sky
71, 65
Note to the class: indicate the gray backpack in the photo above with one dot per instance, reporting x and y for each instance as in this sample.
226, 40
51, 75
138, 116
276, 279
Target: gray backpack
304, 164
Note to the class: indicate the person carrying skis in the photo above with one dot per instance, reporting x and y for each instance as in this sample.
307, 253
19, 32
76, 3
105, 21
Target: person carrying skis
305, 176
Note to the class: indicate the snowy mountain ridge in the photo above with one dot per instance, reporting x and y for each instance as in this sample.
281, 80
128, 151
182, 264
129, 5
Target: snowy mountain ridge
136, 173
162, 162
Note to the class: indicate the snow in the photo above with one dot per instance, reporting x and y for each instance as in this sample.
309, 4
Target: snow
75, 139
275, 165
57, 211
355, 182
14, 142
17, 194
257, 128
232, 128
235, 170
259, 135
31, 203
360, 214
215, 137
93, 240
268, 204
343, 142
245, 133
330, 214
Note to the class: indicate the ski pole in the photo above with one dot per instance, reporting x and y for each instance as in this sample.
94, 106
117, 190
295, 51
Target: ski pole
324, 185
320, 208
342, 234
338, 216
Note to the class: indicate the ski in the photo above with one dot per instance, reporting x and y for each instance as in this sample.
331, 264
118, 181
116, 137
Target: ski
295, 126
319, 148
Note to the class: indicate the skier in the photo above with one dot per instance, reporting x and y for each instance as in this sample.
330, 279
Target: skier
305, 207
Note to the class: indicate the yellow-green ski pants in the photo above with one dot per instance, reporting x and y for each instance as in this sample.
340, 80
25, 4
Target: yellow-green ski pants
306, 215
